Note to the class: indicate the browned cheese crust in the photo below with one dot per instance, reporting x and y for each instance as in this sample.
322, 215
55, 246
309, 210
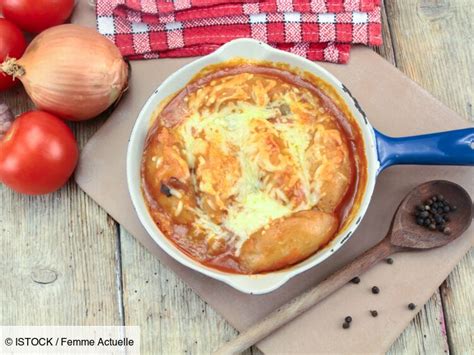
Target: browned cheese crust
252, 168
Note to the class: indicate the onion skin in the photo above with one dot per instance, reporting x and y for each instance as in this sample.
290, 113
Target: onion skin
73, 72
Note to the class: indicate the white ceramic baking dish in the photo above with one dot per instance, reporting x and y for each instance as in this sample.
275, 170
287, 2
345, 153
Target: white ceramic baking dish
381, 151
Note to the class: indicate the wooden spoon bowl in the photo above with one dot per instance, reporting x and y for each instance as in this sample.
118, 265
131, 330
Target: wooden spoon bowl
405, 232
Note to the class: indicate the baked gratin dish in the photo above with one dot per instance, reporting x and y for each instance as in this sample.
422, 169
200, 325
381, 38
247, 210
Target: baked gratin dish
253, 166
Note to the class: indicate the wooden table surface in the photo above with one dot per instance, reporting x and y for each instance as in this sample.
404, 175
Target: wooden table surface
64, 261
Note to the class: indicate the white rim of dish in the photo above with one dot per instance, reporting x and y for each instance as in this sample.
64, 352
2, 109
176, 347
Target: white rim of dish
260, 283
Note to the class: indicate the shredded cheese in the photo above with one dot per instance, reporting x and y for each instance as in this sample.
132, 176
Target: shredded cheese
242, 125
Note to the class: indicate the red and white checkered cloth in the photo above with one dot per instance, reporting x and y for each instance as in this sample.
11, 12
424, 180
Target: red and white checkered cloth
316, 29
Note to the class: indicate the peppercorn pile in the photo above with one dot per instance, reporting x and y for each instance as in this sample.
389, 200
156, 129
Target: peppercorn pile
433, 214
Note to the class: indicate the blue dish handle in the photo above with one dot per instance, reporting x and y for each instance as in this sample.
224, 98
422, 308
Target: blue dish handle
445, 148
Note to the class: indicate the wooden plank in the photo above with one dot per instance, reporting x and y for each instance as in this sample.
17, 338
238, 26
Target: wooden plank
58, 252
432, 42
458, 303
173, 319
386, 49
433, 46
425, 334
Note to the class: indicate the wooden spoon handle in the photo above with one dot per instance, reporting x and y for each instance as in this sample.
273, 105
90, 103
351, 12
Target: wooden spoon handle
303, 302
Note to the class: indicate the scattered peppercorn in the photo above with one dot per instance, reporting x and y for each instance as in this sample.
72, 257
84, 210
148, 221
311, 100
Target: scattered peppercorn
374, 313
389, 261
355, 280
348, 319
346, 325
411, 306
375, 290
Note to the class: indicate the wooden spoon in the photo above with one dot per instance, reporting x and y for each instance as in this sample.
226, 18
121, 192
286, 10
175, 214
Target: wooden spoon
404, 234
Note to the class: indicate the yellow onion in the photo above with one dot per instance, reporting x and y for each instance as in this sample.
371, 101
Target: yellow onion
71, 71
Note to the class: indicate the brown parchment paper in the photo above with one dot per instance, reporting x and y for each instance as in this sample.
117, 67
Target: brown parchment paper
396, 106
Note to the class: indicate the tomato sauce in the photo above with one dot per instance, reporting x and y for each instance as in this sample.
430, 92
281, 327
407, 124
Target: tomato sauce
173, 112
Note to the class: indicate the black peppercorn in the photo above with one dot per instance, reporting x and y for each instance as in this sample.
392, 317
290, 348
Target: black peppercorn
433, 213
375, 290
374, 313
411, 306
346, 325
348, 319
389, 261
355, 280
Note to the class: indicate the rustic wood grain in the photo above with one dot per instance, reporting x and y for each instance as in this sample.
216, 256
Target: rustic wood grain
458, 303
425, 334
386, 49
62, 258
433, 45
173, 319
421, 333
57, 264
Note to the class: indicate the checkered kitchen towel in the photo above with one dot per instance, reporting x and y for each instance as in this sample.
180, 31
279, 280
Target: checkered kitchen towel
316, 29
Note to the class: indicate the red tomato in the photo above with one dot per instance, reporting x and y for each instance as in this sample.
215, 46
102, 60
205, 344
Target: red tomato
12, 44
38, 154
37, 15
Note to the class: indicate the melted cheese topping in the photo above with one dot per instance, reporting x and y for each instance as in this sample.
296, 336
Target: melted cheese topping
269, 142
247, 150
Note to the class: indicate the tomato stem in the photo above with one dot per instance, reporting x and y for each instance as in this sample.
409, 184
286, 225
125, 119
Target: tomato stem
6, 119
11, 67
